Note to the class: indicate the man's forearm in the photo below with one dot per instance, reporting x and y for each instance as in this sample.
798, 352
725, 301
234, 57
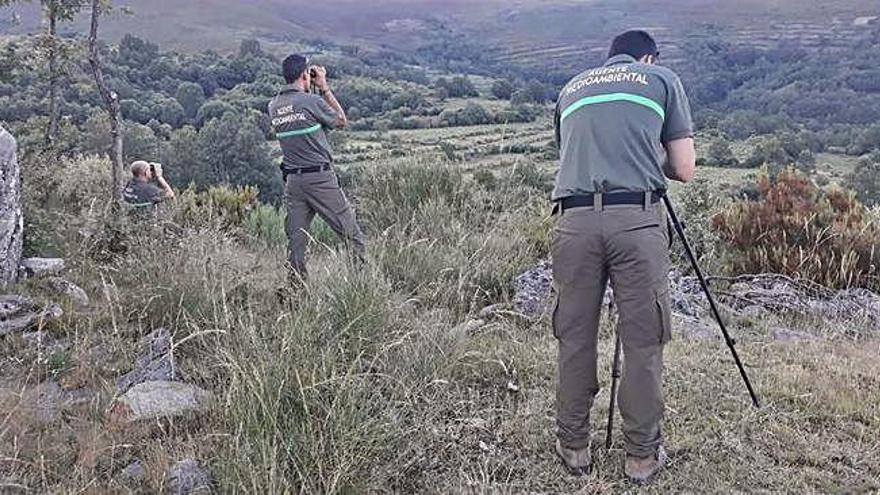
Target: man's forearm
169, 193
334, 104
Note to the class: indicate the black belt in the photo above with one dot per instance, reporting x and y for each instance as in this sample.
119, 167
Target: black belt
609, 199
304, 170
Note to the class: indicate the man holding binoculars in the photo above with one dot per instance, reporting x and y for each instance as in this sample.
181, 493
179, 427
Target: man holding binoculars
300, 120
141, 191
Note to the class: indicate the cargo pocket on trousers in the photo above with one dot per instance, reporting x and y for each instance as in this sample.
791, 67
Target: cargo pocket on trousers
662, 302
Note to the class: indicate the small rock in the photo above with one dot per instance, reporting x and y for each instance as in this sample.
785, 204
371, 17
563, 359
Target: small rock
11, 305
40, 267
753, 311
489, 312
134, 475
471, 326
27, 320
41, 404
789, 335
156, 363
152, 400
187, 477
69, 289
532, 297
45, 345
696, 329
512, 387
78, 397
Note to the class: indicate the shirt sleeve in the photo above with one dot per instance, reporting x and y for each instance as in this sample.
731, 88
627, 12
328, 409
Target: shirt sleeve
324, 113
678, 124
154, 193
557, 121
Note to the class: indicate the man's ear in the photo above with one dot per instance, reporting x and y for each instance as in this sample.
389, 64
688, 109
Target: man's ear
648, 59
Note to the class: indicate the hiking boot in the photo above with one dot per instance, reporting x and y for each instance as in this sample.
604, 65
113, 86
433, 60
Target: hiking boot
576, 461
642, 470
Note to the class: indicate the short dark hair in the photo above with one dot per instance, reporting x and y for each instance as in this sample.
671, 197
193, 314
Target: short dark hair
635, 43
294, 66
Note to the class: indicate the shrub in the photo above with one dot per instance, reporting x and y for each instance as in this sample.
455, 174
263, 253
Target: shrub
797, 229
865, 180
231, 207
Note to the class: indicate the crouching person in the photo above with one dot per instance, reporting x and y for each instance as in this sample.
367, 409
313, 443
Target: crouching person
147, 187
300, 120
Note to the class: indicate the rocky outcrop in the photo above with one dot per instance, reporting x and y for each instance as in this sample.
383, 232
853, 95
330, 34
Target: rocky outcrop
69, 290
187, 477
155, 361
40, 267
532, 298
154, 400
11, 217
18, 314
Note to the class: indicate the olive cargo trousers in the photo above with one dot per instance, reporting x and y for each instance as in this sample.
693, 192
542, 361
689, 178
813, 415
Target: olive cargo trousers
628, 245
308, 194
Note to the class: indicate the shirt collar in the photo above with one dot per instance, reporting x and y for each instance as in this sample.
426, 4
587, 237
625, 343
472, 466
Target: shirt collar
290, 88
623, 58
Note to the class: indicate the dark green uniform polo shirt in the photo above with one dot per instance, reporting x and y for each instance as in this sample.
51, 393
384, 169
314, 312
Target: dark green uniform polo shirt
611, 124
142, 193
299, 120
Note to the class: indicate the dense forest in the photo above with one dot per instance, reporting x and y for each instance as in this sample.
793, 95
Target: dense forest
204, 114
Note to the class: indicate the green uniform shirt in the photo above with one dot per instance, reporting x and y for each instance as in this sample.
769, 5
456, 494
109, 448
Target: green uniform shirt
299, 120
142, 193
611, 124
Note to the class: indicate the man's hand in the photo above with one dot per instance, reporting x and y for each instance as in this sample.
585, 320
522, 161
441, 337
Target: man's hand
320, 81
320, 77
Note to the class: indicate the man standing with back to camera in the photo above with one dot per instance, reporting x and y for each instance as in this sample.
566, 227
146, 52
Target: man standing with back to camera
620, 128
300, 121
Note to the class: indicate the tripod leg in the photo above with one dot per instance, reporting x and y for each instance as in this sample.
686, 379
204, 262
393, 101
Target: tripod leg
731, 344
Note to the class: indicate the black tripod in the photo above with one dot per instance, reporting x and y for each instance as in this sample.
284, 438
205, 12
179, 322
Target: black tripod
615, 370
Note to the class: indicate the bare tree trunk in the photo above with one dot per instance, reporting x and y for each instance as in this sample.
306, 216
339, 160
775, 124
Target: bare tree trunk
52, 130
111, 101
11, 219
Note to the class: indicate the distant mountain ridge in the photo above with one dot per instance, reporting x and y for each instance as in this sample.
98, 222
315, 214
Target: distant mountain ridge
543, 32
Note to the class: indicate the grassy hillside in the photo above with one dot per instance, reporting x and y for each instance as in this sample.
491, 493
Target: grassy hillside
377, 379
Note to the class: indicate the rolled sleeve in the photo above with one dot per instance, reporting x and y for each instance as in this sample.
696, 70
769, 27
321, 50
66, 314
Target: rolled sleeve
324, 113
678, 124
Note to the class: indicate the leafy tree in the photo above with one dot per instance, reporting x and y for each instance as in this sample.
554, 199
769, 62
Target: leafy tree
140, 143
458, 87
720, 154
55, 11
191, 97
250, 48
212, 110
137, 53
472, 114
502, 89
171, 112
183, 159
236, 152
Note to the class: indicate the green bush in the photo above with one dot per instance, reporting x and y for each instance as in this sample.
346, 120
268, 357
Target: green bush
865, 179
